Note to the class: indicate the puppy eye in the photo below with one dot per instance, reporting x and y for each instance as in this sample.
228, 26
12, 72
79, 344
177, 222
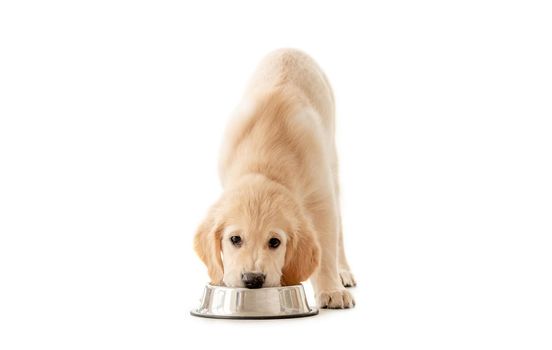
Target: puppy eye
236, 240
273, 243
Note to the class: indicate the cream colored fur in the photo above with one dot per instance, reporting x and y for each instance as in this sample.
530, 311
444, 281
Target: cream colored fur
278, 168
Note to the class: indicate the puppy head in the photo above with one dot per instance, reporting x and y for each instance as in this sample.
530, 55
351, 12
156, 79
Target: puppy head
257, 235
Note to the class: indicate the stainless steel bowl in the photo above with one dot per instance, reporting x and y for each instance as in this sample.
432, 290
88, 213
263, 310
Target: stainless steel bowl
262, 303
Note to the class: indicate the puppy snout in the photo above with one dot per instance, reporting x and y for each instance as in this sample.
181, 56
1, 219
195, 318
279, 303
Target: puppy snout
253, 280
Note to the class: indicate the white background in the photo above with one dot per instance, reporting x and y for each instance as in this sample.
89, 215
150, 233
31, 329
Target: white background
111, 114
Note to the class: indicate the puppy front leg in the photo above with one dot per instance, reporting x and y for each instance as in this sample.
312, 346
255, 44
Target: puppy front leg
329, 290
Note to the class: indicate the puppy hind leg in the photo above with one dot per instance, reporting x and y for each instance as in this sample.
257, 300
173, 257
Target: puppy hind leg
327, 283
347, 278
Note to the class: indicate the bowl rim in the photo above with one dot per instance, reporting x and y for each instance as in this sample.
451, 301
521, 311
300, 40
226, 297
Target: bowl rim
214, 286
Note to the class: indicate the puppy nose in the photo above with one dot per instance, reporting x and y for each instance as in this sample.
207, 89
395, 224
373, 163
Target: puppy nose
253, 280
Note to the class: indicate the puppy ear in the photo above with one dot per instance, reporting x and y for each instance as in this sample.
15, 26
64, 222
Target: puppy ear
302, 255
207, 246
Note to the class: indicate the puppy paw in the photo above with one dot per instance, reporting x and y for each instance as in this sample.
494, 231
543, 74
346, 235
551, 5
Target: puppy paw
347, 278
335, 299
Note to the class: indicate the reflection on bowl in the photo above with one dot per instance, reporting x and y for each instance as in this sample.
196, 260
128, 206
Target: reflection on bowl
262, 303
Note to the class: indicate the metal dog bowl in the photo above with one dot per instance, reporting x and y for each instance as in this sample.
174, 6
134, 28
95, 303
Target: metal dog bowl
262, 303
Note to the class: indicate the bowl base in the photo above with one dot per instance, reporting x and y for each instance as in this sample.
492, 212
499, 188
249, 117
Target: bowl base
312, 312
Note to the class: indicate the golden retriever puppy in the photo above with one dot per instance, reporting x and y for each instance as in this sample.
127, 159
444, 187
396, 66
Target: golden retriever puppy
278, 219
